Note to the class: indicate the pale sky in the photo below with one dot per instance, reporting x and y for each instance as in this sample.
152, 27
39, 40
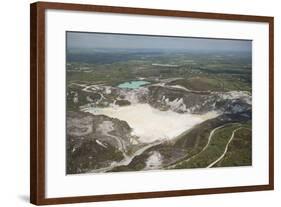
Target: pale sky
107, 41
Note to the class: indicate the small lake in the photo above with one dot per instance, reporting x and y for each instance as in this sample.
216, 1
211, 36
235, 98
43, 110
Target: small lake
133, 84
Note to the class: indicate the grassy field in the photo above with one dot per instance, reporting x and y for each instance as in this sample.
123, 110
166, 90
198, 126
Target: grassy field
202, 72
235, 155
240, 150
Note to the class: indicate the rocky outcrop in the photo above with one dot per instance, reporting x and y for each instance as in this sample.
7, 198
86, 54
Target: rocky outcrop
99, 142
184, 146
95, 141
184, 101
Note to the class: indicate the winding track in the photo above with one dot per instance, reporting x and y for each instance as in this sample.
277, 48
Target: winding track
226, 147
209, 140
126, 159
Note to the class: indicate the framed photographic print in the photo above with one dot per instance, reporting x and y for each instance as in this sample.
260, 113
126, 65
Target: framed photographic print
130, 103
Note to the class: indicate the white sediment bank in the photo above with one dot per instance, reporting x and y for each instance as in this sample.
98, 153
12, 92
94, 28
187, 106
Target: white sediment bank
151, 124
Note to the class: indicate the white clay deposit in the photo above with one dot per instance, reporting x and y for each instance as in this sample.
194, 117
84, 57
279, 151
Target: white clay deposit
151, 124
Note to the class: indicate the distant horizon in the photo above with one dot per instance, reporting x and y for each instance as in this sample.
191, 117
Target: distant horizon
107, 41
167, 50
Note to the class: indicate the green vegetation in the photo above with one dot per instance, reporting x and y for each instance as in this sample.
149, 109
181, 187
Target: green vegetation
122, 103
199, 83
90, 156
239, 151
212, 83
216, 148
200, 71
196, 71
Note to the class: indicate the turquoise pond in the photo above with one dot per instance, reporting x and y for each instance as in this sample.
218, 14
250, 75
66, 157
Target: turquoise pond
133, 84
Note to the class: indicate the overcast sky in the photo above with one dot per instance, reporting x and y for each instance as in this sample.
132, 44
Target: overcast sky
100, 40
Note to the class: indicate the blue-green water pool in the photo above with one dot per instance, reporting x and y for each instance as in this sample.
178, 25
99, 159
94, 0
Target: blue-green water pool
133, 84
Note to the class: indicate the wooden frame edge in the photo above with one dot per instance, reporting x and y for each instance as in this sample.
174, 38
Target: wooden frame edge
37, 102
154, 12
147, 195
33, 103
271, 101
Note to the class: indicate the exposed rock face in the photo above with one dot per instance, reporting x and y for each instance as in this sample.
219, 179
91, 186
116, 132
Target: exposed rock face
122, 103
98, 141
181, 101
183, 146
95, 141
134, 96
164, 97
